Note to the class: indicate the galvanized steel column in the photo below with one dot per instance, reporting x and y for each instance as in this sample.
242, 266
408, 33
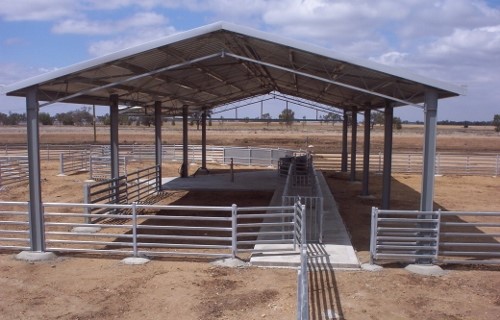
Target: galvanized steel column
36, 217
354, 130
184, 169
204, 139
114, 143
158, 141
386, 175
429, 152
345, 123
366, 154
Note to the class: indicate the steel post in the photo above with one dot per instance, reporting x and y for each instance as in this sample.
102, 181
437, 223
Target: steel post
185, 164
114, 145
134, 229
204, 139
429, 152
366, 154
354, 133
158, 144
36, 216
345, 124
234, 231
386, 175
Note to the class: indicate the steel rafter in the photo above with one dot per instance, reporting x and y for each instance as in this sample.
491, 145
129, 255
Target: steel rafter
136, 77
348, 86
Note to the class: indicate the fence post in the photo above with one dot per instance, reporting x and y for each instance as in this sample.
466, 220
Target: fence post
303, 230
61, 164
438, 164
373, 234
91, 171
497, 166
134, 228
86, 200
234, 232
295, 213
438, 234
379, 162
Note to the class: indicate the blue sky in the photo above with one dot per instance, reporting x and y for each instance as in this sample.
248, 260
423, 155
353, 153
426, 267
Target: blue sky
456, 41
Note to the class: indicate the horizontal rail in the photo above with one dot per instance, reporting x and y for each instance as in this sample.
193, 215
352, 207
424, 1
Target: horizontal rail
411, 235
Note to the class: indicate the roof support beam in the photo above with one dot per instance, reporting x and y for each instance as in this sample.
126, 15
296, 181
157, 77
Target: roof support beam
366, 154
354, 140
158, 143
429, 153
36, 216
345, 129
136, 77
386, 174
345, 85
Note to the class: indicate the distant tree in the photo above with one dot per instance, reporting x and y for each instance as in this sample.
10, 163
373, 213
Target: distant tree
148, 120
66, 118
3, 118
288, 116
377, 118
267, 117
105, 119
246, 119
496, 122
333, 117
82, 116
397, 123
45, 119
14, 119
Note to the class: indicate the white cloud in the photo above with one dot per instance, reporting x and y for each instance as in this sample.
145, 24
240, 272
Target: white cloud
36, 10
471, 45
140, 36
87, 27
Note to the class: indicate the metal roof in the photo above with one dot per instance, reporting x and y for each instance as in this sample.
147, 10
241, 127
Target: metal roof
221, 63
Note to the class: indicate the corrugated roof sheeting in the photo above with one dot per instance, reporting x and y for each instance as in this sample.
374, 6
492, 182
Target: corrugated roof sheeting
270, 64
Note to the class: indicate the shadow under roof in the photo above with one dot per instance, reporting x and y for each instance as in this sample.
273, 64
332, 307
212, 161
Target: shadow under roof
221, 63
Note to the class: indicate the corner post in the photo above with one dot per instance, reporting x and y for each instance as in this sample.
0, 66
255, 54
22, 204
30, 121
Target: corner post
387, 166
36, 216
429, 152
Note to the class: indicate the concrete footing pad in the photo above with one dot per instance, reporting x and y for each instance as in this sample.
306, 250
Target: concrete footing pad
371, 267
34, 256
230, 262
86, 229
426, 270
135, 261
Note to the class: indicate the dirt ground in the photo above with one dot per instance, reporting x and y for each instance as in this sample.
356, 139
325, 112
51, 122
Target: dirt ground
100, 287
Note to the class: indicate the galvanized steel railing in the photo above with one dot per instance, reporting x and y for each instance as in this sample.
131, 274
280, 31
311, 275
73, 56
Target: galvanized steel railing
435, 236
302, 275
139, 229
13, 170
303, 185
446, 163
74, 162
137, 186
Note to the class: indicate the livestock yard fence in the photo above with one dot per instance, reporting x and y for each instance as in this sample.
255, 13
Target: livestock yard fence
13, 170
435, 236
487, 164
152, 230
302, 184
97, 158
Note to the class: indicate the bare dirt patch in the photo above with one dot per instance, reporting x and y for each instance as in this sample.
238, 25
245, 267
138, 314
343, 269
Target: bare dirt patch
90, 287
